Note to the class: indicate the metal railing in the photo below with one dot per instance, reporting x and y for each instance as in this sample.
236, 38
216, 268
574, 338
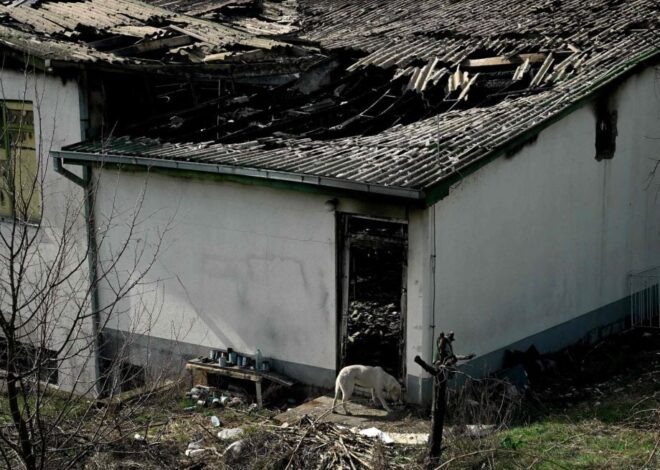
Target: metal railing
644, 290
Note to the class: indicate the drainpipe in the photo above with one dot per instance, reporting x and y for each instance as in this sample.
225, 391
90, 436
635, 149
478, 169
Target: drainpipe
86, 183
433, 286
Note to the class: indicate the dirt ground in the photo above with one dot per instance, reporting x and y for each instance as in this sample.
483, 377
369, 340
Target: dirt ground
364, 414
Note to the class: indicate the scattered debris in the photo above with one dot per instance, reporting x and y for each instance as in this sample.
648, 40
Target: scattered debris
410, 438
480, 430
197, 449
234, 402
217, 402
195, 452
309, 444
232, 433
235, 448
211, 377
195, 444
384, 437
202, 394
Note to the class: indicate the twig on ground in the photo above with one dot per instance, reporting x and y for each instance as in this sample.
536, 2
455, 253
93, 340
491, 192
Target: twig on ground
655, 448
446, 463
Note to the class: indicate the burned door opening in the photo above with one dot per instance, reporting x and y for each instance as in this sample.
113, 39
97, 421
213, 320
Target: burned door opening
373, 295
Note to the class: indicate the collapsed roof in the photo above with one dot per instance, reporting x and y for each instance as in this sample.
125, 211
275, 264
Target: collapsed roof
400, 94
131, 33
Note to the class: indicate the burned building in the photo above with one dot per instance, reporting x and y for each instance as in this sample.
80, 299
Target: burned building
347, 179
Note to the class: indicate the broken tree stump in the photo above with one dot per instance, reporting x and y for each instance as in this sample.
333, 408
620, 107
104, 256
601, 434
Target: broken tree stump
438, 409
444, 362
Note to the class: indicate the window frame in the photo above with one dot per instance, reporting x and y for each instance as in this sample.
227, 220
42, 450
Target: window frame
8, 175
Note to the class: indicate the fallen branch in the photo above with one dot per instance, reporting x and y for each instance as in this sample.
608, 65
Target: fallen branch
448, 462
293, 454
655, 448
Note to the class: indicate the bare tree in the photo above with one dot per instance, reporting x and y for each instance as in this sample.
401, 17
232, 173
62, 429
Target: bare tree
56, 362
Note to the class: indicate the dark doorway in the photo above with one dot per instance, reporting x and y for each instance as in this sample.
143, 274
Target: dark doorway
373, 295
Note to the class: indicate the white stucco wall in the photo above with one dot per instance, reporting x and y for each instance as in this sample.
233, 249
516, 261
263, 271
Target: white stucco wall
522, 245
420, 301
56, 105
243, 266
57, 123
535, 240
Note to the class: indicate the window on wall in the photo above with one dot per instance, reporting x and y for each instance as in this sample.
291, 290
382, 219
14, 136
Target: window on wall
20, 185
33, 360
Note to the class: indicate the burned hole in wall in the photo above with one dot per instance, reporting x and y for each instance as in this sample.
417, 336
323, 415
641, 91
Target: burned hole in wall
374, 322
606, 129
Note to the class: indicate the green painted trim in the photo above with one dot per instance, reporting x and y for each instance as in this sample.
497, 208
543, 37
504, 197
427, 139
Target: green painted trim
440, 190
588, 327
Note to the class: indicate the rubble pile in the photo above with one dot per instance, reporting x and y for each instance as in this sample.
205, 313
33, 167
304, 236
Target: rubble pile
374, 334
310, 444
371, 319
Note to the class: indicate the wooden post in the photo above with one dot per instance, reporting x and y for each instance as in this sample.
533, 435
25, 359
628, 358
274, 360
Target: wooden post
260, 402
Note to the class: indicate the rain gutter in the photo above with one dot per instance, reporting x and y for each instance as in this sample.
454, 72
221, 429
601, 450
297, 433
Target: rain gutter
76, 157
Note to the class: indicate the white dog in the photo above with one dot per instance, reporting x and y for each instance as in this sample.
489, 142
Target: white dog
374, 378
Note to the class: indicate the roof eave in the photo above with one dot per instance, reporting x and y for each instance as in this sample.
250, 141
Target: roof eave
257, 174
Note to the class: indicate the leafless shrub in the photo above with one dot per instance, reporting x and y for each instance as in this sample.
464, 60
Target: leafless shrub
52, 269
487, 401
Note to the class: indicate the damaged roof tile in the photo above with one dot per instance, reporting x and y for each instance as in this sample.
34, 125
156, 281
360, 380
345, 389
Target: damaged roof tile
113, 25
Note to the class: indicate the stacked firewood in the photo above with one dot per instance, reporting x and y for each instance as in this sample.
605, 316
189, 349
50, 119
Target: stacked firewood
369, 319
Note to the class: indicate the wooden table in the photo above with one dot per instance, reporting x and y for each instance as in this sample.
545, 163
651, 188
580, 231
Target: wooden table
200, 371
